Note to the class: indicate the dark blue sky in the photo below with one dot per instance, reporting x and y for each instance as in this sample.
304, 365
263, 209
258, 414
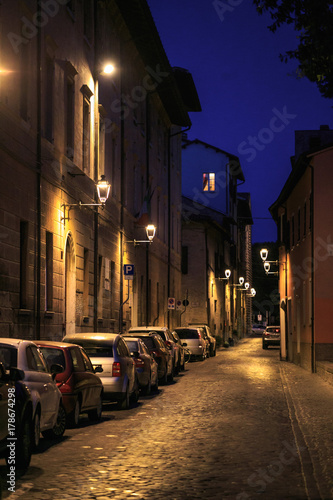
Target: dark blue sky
251, 102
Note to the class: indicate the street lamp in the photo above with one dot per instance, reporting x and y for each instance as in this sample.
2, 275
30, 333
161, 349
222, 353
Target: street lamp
150, 232
227, 273
103, 191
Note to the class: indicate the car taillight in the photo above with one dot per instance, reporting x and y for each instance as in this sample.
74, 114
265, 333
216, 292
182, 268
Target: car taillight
139, 363
116, 369
199, 335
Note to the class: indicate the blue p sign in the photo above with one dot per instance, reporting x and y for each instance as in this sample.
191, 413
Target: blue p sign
128, 271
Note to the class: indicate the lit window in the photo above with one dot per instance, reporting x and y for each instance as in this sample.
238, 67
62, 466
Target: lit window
208, 182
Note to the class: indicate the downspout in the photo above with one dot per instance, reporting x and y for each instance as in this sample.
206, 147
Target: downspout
313, 347
39, 167
169, 213
207, 281
147, 191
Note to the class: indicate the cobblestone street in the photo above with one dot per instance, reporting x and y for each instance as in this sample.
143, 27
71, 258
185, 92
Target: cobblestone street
241, 425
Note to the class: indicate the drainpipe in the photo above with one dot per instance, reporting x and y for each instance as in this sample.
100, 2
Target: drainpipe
313, 346
207, 280
147, 191
169, 213
38, 166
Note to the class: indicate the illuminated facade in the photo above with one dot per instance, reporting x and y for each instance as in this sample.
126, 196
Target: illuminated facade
64, 124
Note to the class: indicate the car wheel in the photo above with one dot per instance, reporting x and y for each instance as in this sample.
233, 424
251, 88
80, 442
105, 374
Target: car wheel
59, 427
125, 402
136, 393
74, 416
155, 387
147, 389
24, 444
36, 431
96, 414
170, 377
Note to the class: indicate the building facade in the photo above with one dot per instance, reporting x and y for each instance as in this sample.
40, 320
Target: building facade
216, 235
305, 253
65, 124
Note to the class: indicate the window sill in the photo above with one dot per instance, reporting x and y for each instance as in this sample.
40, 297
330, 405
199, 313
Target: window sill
49, 314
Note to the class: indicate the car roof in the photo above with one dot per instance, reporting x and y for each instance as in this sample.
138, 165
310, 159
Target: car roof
54, 343
148, 328
91, 336
16, 342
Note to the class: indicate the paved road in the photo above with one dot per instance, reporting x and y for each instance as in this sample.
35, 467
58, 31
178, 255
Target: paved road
232, 427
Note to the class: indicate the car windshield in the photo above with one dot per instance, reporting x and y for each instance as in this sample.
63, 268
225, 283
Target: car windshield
53, 356
187, 333
149, 342
8, 356
96, 348
132, 345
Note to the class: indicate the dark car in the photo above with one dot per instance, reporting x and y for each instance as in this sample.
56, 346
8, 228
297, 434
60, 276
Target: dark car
146, 366
160, 352
16, 420
271, 336
168, 340
182, 350
81, 388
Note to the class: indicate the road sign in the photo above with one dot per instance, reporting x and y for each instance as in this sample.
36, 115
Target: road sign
128, 271
171, 303
178, 305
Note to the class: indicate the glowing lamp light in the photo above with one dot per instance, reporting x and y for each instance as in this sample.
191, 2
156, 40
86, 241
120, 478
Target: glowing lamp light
264, 254
253, 292
241, 281
103, 189
150, 231
247, 286
227, 273
108, 69
267, 266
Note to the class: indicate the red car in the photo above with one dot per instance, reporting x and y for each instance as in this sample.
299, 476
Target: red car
79, 385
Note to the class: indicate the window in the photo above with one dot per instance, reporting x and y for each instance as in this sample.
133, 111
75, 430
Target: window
184, 264
76, 359
86, 137
113, 288
70, 118
304, 220
86, 282
49, 272
311, 212
299, 224
24, 252
208, 182
48, 114
292, 231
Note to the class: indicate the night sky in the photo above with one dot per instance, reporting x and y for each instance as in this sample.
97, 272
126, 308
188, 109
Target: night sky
251, 102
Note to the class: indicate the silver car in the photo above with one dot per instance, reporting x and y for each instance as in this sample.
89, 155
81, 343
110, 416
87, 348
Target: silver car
193, 339
110, 352
49, 415
211, 339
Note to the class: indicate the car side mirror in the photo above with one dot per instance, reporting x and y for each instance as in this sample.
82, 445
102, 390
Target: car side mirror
98, 369
16, 374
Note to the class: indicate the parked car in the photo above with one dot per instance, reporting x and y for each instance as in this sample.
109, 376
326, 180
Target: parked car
49, 416
110, 352
15, 403
193, 339
146, 366
258, 329
80, 386
160, 352
210, 337
271, 336
182, 350
167, 338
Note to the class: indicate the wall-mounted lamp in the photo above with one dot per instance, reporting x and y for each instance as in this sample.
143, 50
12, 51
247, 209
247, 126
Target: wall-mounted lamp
267, 267
264, 255
103, 191
253, 292
227, 273
150, 232
241, 282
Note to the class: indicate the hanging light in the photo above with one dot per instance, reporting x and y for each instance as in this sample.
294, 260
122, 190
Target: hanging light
227, 273
103, 189
150, 231
267, 266
264, 254
241, 281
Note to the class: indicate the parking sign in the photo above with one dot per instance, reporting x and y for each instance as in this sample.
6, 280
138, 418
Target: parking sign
128, 271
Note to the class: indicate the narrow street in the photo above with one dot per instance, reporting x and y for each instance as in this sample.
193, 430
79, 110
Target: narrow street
233, 426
